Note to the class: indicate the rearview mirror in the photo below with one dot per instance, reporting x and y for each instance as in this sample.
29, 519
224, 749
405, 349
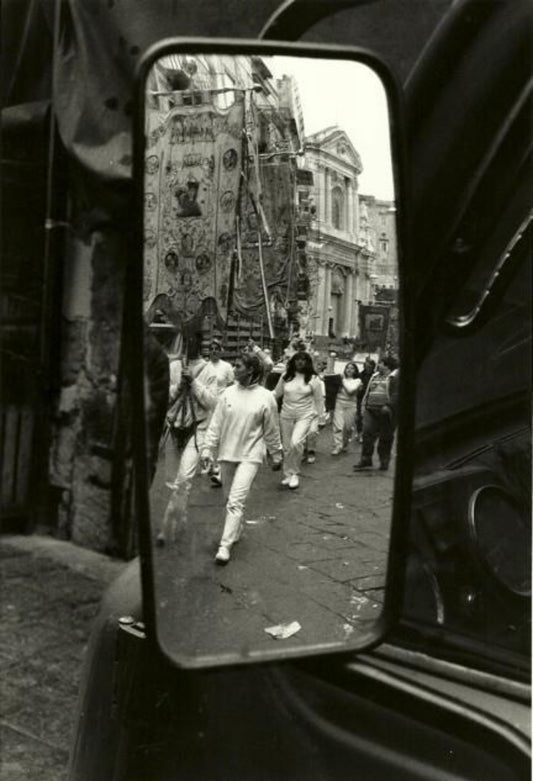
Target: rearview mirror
271, 280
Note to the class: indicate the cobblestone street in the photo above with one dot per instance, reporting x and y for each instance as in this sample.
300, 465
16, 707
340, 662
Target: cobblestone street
50, 595
316, 555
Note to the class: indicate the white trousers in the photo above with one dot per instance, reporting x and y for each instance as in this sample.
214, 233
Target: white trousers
190, 458
343, 423
312, 436
293, 434
237, 479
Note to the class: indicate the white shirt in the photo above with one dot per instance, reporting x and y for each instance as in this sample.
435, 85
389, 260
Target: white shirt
176, 370
348, 389
245, 420
217, 375
300, 399
209, 383
175, 376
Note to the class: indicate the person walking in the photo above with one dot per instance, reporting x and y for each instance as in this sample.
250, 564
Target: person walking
264, 355
369, 368
379, 416
157, 379
345, 410
311, 441
243, 427
200, 400
217, 375
302, 401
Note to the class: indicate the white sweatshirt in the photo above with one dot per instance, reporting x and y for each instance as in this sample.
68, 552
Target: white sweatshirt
245, 420
176, 369
210, 379
300, 399
347, 392
217, 375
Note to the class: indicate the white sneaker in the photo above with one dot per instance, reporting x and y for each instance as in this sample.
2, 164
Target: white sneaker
223, 555
172, 486
311, 458
286, 480
216, 479
294, 482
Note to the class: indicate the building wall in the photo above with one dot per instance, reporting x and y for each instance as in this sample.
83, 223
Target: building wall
80, 457
380, 233
335, 256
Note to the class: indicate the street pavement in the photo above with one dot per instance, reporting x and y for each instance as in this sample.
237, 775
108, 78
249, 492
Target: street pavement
315, 555
51, 590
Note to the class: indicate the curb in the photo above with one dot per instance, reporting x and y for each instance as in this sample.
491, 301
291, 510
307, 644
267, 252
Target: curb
96, 566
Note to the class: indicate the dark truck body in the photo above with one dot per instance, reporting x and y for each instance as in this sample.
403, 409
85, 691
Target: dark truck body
447, 696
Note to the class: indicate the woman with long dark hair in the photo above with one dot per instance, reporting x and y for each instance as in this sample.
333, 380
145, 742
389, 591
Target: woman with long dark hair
345, 408
302, 400
243, 427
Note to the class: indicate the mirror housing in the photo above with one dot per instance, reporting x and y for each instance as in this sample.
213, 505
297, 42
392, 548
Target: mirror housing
375, 632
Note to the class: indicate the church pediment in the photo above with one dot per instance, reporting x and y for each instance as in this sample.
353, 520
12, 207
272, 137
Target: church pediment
335, 141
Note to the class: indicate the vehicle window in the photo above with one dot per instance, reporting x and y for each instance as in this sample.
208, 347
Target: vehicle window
469, 577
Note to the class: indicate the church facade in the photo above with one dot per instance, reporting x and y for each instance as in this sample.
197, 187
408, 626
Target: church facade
337, 263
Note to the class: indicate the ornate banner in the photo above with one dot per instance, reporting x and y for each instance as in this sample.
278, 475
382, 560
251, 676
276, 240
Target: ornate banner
374, 324
193, 166
277, 187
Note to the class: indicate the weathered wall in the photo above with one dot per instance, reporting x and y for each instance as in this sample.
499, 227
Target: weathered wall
80, 456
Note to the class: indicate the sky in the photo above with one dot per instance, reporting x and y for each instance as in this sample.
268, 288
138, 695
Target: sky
348, 94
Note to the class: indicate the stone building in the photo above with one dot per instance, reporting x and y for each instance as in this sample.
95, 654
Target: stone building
378, 231
338, 263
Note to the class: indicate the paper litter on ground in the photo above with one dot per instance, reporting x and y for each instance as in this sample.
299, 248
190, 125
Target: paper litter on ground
283, 631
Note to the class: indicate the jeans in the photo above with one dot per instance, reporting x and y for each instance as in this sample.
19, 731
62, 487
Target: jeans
378, 424
237, 479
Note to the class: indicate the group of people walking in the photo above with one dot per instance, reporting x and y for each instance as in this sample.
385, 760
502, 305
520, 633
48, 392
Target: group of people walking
237, 421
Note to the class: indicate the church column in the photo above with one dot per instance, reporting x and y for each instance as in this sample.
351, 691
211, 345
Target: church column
318, 308
327, 206
356, 209
351, 216
326, 300
356, 295
356, 329
348, 305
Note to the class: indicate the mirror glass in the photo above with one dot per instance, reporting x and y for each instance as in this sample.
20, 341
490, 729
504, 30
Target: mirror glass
271, 287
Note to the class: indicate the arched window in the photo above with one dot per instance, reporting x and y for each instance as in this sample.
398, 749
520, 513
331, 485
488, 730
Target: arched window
337, 208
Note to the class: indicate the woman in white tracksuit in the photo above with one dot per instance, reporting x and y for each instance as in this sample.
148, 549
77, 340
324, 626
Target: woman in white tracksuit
203, 392
303, 400
345, 410
243, 427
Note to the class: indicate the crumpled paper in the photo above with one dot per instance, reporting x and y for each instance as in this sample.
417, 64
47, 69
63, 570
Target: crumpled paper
283, 631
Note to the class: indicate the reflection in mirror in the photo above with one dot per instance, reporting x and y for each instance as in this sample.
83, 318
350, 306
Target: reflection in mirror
271, 283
